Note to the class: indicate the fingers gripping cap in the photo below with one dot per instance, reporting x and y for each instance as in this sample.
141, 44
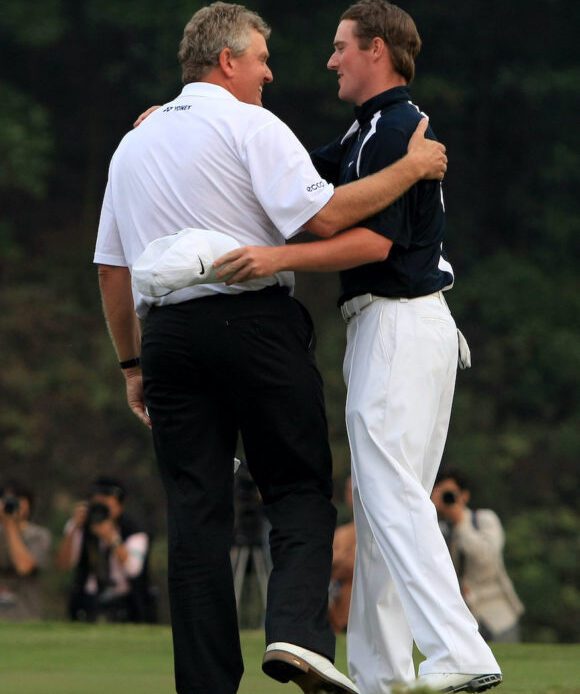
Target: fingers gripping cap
180, 260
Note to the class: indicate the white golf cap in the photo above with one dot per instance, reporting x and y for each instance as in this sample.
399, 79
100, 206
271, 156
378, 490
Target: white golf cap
180, 260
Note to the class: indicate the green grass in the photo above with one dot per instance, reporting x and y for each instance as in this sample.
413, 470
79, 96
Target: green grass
58, 658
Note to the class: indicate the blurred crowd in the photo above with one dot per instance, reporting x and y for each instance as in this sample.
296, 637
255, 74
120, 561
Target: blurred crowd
106, 553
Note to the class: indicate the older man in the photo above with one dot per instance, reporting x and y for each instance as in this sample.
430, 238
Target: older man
221, 360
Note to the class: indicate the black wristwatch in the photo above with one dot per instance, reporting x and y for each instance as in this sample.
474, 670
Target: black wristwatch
130, 363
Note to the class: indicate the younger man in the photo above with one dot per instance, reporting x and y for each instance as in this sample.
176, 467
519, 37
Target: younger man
400, 365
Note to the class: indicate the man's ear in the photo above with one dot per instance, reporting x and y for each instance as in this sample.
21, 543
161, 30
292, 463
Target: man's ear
466, 496
378, 47
225, 62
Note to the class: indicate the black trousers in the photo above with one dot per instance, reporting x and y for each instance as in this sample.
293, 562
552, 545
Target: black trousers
214, 367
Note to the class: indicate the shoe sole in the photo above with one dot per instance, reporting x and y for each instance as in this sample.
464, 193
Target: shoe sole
477, 684
285, 667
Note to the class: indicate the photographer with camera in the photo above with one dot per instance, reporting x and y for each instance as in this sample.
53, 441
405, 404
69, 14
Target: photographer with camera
476, 540
109, 554
24, 548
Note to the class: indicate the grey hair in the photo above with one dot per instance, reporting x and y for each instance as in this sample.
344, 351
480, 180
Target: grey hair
210, 30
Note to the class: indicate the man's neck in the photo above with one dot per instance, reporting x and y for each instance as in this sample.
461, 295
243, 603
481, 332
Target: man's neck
217, 78
381, 86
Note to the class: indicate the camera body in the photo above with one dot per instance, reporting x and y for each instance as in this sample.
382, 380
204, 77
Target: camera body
11, 504
97, 513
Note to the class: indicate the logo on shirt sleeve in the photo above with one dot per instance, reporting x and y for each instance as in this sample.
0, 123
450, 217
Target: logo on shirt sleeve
316, 186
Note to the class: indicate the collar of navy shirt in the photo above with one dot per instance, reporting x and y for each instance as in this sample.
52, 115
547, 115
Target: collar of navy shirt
366, 111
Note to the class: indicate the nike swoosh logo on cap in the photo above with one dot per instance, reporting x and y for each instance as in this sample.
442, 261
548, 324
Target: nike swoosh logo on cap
202, 266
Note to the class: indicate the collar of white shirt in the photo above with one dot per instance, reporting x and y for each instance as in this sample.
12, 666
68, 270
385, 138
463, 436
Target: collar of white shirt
206, 89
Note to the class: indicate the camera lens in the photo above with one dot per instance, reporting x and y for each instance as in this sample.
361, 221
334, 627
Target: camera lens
448, 498
97, 513
11, 505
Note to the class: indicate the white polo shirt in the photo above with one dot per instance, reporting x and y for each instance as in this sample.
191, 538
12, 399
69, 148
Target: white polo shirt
210, 161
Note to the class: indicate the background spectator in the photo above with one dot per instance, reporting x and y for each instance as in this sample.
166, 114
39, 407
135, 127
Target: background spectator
109, 555
24, 549
343, 551
476, 540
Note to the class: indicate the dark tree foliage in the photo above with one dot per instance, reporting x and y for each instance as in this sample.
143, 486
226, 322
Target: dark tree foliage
500, 82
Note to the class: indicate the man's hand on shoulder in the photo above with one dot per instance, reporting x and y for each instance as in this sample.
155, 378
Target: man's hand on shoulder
144, 115
428, 155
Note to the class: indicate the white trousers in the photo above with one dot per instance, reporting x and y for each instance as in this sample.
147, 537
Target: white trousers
400, 367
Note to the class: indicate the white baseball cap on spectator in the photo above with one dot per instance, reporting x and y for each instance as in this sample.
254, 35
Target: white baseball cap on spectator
180, 260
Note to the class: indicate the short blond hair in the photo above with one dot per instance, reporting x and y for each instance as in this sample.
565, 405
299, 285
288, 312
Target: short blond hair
378, 18
210, 30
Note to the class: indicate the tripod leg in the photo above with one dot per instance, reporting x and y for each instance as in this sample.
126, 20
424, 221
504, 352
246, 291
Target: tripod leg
240, 557
261, 572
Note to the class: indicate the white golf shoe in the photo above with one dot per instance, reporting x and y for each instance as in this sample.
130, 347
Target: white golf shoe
457, 682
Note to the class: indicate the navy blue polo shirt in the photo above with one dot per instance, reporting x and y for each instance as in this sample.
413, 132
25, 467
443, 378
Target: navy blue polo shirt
414, 223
